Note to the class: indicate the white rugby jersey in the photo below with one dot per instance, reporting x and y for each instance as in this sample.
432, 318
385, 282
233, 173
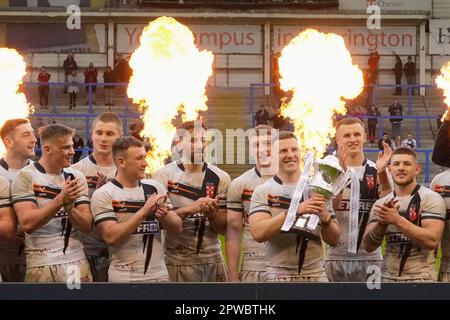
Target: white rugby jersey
198, 243
287, 254
441, 185
367, 175
11, 253
57, 241
238, 199
93, 243
140, 257
405, 260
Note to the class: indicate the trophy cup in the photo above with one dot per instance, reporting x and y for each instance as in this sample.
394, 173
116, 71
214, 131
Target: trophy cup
328, 180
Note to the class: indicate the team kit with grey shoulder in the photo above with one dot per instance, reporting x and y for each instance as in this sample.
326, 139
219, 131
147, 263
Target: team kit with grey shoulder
116, 222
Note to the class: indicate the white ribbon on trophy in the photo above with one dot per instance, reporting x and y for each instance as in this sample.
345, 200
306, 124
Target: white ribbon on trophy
298, 193
353, 228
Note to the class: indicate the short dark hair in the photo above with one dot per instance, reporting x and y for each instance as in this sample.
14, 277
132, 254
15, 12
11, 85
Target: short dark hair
349, 121
283, 135
54, 132
108, 117
124, 143
405, 150
10, 125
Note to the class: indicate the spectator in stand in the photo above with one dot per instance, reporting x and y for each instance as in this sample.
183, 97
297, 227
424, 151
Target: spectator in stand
78, 145
90, 77
109, 77
374, 60
396, 110
68, 65
372, 122
410, 72
123, 72
73, 88
262, 116
397, 143
43, 78
398, 72
410, 142
385, 139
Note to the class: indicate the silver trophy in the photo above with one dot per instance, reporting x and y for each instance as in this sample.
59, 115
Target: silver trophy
328, 180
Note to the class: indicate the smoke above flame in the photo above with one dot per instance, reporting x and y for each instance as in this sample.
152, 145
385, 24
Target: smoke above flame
169, 78
443, 82
13, 104
318, 69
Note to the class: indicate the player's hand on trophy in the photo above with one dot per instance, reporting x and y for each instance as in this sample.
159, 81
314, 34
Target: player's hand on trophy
70, 191
101, 180
384, 157
152, 203
315, 205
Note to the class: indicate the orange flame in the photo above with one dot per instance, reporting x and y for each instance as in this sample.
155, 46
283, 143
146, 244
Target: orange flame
12, 103
318, 68
169, 76
443, 82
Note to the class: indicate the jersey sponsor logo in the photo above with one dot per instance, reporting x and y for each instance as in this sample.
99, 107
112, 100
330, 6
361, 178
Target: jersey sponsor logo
365, 205
397, 237
42, 191
278, 202
370, 180
443, 190
121, 206
148, 227
61, 214
246, 195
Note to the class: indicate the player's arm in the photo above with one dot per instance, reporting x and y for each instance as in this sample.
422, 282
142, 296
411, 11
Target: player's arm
218, 222
8, 223
264, 227
382, 162
233, 243
330, 229
170, 221
81, 217
29, 215
112, 231
317, 205
8, 220
374, 235
218, 219
427, 236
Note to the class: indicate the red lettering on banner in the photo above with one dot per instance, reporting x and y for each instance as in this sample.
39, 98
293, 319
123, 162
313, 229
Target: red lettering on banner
130, 36
222, 42
410, 39
208, 36
392, 44
251, 39
372, 41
